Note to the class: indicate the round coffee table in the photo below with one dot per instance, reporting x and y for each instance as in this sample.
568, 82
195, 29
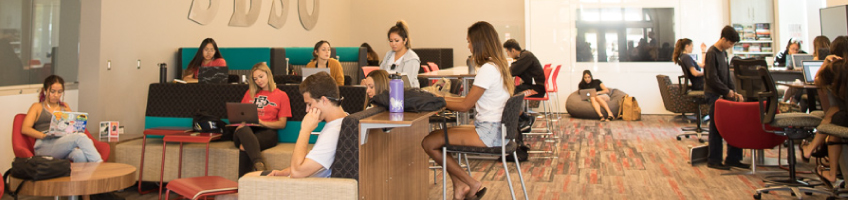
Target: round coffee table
85, 179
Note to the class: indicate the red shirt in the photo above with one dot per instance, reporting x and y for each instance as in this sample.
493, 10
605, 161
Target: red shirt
271, 105
218, 62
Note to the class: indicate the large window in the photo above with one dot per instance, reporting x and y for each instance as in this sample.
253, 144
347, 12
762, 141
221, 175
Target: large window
624, 34
38, 38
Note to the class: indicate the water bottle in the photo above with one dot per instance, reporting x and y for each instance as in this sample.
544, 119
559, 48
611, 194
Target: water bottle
395, 93
163, 73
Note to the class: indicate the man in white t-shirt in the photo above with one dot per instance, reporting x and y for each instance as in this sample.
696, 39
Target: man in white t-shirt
322, 99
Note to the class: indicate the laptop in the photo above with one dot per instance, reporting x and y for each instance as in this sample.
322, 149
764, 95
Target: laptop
242, 112
64, 123
798, 58
306, 72
213, 75
586, 93
810, 70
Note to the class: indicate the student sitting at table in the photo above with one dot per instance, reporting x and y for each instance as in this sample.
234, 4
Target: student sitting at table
681, 57
401, 58
323, 103
321, 59
274, 109
375, 83
207, 56
493, 85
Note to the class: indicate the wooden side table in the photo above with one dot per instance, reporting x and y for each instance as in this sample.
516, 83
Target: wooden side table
86, 179
183, 138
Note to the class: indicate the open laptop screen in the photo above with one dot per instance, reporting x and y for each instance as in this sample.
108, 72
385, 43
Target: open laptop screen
810, 70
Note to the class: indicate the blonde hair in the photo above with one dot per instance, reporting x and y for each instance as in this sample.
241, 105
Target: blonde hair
486, 48
381, 83
261, 67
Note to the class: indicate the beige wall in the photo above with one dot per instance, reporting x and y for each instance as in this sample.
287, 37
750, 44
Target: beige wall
836, 2
125, 31
436, 23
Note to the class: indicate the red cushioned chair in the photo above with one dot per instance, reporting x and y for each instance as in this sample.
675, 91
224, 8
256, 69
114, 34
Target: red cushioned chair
23, 145
367, 70
433, 66
739, 125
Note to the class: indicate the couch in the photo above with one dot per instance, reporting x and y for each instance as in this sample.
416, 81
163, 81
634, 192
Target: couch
173, 105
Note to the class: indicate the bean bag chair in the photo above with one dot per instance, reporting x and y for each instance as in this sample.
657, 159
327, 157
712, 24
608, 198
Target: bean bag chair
583, 109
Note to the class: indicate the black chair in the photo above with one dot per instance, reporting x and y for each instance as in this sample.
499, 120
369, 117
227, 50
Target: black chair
697, 97
747, 77
509, 128
795, 126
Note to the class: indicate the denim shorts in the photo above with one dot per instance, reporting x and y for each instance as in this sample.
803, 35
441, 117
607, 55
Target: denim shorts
489, 132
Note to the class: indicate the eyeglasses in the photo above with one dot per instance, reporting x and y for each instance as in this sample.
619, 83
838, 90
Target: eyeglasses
335, 99
394, 66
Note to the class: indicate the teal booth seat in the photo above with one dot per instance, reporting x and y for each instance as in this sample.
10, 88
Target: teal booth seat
240, 58
286, 135
351, 58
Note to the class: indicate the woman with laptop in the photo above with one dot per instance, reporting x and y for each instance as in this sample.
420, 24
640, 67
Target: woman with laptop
375, 83
321, 59
76, 147
601, 99
792, 48
273, 109
401, 59
493, 86
207, 56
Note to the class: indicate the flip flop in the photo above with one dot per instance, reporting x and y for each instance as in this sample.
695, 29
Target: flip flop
478, 195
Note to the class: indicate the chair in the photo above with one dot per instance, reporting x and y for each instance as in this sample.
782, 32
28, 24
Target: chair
748, 80
367, 70
682, 100
553, 88
23, 145
837, 131
738, 124
509, 119
792, 125
433, 66
425, 68
549, 125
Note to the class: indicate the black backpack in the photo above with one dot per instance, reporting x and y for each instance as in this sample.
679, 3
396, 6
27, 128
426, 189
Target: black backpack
34, 169
414, 100
206, 123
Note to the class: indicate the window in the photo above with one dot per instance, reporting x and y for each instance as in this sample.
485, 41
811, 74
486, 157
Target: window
617, 34
30, 44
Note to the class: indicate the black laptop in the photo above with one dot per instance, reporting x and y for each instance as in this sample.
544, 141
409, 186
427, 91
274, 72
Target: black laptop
213, 75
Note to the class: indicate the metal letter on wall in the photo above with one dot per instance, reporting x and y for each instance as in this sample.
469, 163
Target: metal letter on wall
201, 15
278, 21
308, 20
242, 19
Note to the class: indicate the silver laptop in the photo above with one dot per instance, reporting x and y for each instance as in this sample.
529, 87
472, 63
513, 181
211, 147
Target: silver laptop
306, 72
242, 112
798, 58
586, 93
810, 70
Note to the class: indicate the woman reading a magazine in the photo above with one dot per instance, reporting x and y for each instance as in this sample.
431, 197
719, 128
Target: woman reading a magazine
76, 147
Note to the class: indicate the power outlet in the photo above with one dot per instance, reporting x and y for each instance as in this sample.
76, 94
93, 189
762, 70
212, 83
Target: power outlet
138, 64
108, 64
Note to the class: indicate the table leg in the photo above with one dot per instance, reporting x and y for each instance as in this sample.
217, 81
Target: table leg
811, 100
141, 164
206, 168
180, 164
464, 116
162, 170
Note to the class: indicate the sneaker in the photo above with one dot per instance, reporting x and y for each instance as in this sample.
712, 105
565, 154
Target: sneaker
718, 166
737, 165
260, 166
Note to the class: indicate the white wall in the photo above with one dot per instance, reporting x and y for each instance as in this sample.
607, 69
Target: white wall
125, 31
14, 104
551, 36
798, 13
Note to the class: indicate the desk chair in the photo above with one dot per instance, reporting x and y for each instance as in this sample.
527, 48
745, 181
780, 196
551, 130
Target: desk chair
509, 128
747, 77
837, 131
794, 126
678, 99
738, 124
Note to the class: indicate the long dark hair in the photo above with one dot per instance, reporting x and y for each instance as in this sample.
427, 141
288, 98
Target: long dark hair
678, 49
582, 83
318, 46
198, 57
789, 44
835, 76
403, 31
486, 48
820, 42
49, 81
371, 55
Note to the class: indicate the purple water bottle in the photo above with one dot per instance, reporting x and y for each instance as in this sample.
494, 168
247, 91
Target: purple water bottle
395, 93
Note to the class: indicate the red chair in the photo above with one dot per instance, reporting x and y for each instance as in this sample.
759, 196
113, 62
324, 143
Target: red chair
739, 124
547, 66
546, 105
368, 70
433, 66
552, 87
426, 68
23, 145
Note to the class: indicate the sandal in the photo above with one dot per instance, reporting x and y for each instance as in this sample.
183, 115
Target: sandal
610, 118
802, 147
819, 172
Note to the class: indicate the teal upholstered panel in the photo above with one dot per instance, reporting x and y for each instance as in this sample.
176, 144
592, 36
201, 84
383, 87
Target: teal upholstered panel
238, 58
299, 55
348, 54
286, 135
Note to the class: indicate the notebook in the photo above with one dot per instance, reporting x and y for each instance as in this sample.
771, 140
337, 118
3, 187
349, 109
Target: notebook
810, 70
213, 75
586, 93
64, 123
242, 112
306, 72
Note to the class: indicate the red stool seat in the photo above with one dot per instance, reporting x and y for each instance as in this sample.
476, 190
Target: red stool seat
196, 187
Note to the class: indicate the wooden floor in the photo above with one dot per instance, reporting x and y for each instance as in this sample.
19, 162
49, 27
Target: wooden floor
609, 160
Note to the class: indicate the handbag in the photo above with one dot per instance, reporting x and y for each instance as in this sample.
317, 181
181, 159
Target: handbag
34, 169
629, 109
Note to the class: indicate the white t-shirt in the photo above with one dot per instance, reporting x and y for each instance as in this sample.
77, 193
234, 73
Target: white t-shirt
324, 150
490, 106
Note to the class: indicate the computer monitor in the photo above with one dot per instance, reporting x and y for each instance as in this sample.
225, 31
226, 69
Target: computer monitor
810, 70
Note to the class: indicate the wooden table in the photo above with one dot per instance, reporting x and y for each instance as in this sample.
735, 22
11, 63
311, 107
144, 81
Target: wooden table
392, 164
86, 179
811, 91
459, 73
783, 75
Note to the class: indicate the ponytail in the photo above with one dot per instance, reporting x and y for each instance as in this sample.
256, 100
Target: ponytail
402, 29
678, 49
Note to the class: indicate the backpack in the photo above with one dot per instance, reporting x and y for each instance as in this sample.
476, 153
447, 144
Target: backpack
34, 169
414, 100
206, 123
629, 109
